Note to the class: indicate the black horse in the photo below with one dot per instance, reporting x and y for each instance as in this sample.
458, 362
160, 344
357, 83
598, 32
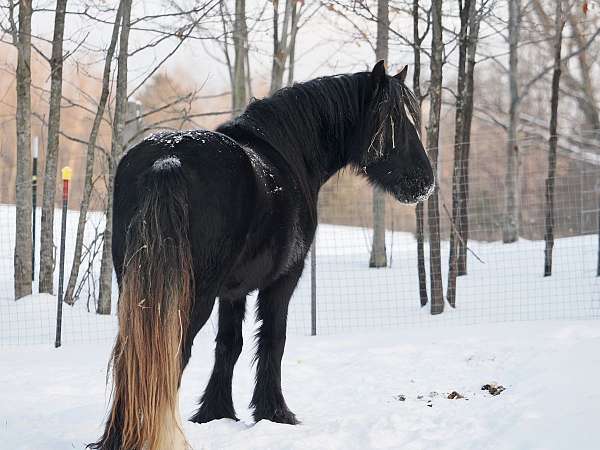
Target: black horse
202, 214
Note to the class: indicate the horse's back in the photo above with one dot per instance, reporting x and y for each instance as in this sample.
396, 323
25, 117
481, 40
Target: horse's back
220, 187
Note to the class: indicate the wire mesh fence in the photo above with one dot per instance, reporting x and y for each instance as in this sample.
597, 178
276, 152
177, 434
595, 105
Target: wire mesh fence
504, 282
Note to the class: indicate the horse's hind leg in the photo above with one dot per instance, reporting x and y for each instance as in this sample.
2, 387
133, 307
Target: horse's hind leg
217, 403
268, 401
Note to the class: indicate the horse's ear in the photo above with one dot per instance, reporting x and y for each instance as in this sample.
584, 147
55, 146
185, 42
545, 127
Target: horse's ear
378, 74
401, 75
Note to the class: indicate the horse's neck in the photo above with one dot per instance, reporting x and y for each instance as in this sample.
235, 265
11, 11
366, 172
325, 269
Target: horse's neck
313, 126
340, 119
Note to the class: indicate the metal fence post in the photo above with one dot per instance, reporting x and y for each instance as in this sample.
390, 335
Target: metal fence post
313, 287
598, 268
66, 177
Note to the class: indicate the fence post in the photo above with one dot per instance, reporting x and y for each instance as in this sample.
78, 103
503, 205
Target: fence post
34, 202
66, 177
313, 287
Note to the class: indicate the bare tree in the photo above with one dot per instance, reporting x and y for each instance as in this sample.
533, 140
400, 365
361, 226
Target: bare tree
469, 34
118, 127
420, 207
89, 160
294, 33
475, 18
240, 44
510, 231
378, 252
121, 136
559, 25
433, 132
21, 36
282, 39
233, 32
464, 9
47, 262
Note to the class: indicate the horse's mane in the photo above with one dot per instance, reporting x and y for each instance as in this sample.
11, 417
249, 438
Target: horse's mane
304, 121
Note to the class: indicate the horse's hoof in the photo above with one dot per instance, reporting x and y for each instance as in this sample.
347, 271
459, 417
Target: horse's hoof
204, 416
279, 416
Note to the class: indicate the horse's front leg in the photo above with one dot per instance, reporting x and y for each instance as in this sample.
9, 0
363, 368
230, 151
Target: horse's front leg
267, 401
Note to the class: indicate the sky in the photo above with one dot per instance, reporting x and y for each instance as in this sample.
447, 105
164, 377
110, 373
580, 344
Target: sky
326, 44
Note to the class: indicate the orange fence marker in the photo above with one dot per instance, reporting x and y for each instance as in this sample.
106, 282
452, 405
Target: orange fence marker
66, 177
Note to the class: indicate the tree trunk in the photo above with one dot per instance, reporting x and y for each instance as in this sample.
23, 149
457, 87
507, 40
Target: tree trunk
23, 237
280, 46
420, 207
463, 213
549, 225
378, 252
239, 96
276, 69
464, 10
47, 262
433, 129
118, 127
510, 232
422, 273
89, 161
292, 51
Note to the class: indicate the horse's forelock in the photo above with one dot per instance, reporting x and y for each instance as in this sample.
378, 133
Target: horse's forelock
393, 103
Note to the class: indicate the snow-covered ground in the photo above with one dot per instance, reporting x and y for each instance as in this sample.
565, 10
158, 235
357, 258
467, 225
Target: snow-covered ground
507, 286
346, 390
375, 345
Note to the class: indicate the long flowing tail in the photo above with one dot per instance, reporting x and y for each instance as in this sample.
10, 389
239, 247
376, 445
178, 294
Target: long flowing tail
154, 306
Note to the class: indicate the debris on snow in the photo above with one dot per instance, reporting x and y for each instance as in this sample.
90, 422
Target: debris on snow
455, 395
493, 389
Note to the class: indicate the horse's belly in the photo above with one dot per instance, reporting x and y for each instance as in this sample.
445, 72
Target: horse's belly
247, 276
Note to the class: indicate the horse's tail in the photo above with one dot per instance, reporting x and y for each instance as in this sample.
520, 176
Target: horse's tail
154, 305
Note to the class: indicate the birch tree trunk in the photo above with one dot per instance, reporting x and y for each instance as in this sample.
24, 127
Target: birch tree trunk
118, 127
292, 50
549, 222
378, 252
240, 37
89, 161
22, 256
433, 131
510, 232
47, 262
275, 68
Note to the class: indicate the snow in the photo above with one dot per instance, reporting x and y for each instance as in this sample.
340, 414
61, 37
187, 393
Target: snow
344, 390
508, 286
32, 320
534, 335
